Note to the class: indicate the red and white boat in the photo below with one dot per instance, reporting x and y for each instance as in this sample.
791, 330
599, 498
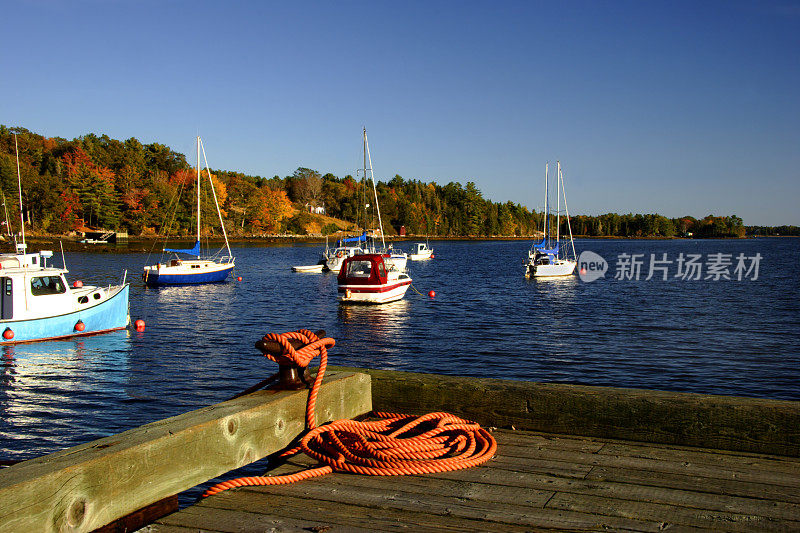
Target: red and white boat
366, 279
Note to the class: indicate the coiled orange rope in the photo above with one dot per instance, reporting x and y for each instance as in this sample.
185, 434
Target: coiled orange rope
393, 445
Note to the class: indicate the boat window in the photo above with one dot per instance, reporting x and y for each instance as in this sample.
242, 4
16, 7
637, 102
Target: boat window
97, 296
381, 270
83, 299
43, 285
359, 269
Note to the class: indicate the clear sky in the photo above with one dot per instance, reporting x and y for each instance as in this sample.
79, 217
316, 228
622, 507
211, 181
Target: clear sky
679, 108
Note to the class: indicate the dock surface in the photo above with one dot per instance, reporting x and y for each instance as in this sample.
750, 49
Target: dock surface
537, 481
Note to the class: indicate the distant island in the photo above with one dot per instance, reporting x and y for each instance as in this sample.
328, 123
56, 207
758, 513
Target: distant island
95, 182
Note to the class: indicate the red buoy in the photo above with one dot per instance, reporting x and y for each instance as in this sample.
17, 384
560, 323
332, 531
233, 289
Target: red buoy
80, 326
8, 334
139, 325
77, 284
432, 294
239, 278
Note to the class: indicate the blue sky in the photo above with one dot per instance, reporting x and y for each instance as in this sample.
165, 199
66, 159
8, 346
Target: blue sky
679, 108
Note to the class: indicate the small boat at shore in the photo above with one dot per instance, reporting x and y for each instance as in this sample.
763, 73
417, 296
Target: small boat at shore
367, 279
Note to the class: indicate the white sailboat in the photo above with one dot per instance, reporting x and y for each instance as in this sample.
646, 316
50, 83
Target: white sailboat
395, 259
179, 271
549, 258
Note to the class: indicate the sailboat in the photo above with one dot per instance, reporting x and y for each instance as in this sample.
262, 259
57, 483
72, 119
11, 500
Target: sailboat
394, 259
180, 271
37, 303
549, 258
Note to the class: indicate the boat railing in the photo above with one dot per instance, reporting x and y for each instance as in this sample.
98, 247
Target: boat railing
226, 259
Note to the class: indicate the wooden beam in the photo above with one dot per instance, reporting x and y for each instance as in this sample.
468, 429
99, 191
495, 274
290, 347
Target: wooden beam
704, 420
88, 486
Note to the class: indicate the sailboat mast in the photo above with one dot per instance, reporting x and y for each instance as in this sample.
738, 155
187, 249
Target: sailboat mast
558, 203
374, 187
569, 227
216, 202
198, 188
19, 185
544, 206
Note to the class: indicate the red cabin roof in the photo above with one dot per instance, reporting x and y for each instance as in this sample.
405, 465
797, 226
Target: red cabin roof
365, 269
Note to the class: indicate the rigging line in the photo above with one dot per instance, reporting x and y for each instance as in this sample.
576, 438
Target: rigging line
172, 208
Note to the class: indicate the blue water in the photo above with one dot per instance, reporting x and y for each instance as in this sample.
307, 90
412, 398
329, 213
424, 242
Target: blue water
720, 337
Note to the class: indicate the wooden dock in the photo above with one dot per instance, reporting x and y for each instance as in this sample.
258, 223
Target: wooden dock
537, 481
569, 458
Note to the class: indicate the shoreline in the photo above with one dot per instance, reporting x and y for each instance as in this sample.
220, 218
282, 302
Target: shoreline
149, 244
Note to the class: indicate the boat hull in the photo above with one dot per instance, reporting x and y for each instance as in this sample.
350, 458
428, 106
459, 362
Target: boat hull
421, 257
562, 268
163, 276
308, 268
109, 315
374, 294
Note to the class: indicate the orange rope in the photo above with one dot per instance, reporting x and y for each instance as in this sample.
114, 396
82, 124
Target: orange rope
393, 445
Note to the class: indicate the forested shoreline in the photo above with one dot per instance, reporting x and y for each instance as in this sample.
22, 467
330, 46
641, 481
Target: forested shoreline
148, 190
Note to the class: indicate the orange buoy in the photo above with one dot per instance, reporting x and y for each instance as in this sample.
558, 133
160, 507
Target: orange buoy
77, 284
8, 334
139, 325
80, 326
239, 278
432, 294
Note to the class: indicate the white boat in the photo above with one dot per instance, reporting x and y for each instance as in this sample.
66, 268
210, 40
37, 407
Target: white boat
549, 258
37, 303
366, 279
180, 271
421, 253
308, 268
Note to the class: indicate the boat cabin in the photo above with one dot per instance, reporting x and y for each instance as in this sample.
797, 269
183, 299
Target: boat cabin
365, 269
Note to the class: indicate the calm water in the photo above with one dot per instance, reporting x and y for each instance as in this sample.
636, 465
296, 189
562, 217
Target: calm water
719, 337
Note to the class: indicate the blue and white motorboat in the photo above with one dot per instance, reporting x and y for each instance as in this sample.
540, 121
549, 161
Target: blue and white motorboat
180, 271
37, 303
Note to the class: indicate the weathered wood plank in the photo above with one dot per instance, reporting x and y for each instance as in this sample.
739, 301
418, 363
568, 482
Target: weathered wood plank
88, 486
201, 518
707, 421
760, 462
473, 484
732, 470
320, 498
690, 482
142, 517
669, 514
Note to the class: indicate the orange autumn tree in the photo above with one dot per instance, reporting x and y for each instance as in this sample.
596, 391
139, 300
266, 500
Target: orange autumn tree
267, 208
94, 188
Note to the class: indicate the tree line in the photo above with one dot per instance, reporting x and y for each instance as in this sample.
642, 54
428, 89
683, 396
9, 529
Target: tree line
149, 189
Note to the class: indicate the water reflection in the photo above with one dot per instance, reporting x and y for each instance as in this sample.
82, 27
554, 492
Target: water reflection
375, 334
47, 386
